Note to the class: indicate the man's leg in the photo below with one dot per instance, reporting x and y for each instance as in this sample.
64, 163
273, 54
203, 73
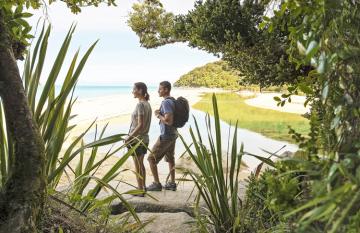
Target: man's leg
154, 170
170, 158
155, 156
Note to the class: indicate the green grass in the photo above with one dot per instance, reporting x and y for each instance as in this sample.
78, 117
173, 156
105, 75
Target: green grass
271, 123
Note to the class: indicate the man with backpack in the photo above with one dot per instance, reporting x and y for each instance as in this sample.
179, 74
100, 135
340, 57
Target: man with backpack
172, 114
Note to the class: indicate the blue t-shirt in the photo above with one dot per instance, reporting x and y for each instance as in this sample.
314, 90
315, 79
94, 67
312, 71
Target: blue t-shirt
167, 131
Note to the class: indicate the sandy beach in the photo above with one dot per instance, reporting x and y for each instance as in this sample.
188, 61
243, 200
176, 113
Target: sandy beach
116, 111
266, 100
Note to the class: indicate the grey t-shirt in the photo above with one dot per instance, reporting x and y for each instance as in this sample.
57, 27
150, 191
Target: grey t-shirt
142, 108
167, 131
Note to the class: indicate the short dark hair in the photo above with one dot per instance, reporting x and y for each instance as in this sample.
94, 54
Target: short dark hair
166, 84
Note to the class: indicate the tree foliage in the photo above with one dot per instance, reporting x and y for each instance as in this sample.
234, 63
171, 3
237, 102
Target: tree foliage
328, 40
73, 5
227, 28
214, 75
15, 15
154, 25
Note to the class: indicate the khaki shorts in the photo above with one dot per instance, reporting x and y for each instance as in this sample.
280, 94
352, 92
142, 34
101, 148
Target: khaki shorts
163, 148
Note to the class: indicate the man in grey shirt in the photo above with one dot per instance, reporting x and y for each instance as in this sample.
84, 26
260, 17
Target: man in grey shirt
165, 145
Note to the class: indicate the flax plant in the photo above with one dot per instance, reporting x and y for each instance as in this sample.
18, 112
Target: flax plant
52, 112
218, 186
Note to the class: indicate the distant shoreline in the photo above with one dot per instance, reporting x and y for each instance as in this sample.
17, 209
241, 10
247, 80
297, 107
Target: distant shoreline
118, 107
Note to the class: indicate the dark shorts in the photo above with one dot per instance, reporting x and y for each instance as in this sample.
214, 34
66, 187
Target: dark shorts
163, 148
140, 150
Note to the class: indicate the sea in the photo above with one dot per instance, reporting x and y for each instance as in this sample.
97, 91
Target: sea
87, 91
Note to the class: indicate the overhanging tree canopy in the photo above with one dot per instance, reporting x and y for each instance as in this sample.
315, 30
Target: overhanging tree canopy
228, 28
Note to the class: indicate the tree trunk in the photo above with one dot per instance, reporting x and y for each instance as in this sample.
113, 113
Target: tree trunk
24, 193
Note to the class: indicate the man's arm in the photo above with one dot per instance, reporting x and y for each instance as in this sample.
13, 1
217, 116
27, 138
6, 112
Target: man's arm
168, 117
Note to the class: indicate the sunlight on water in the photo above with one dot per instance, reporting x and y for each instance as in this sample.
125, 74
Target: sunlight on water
253, 142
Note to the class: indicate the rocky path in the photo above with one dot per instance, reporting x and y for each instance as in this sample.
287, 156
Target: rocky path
179, 222
168, 212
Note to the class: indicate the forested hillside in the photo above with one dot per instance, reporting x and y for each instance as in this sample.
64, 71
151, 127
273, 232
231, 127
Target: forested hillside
217, 74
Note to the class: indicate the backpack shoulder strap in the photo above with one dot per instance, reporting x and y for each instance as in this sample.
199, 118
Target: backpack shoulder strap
173, 99
170, 98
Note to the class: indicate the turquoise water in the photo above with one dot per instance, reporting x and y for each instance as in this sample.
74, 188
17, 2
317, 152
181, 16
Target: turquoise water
83, 91
96, 91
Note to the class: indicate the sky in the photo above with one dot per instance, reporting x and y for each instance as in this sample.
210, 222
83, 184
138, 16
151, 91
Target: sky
118, 58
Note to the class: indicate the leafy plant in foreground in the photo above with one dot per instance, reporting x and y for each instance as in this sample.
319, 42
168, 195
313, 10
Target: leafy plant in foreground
218, 187
327, 38
75, 159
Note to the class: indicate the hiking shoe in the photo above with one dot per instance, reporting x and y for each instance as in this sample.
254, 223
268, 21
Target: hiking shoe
154, 187
170, 186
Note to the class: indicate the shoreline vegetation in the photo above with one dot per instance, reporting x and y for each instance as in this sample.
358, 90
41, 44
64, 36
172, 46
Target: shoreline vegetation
269, 122
220, 75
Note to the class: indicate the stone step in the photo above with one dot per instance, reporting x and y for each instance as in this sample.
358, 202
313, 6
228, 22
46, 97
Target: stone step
179, 222
164, 201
